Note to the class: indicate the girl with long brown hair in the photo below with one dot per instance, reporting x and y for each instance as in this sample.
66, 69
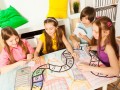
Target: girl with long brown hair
107, 48
15, 50
52, 39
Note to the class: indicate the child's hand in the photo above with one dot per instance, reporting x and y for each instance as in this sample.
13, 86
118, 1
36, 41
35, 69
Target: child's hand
75, 55
39, 60
36, 56
89, 48
83, 67
36, 59
21, 62
76, 45
29, 56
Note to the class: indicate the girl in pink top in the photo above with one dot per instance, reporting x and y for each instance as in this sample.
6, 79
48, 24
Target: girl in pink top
15, 51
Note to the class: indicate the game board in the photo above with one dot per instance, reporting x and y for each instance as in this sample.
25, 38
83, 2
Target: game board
60, 70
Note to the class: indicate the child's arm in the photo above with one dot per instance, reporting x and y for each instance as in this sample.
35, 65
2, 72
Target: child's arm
75, 41
113, 70
85, 38
68, 46
114, 61
29, 56
38, 48
7, 68
30, 49
92, 48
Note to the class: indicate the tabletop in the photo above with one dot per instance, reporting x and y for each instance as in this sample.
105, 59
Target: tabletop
57, 71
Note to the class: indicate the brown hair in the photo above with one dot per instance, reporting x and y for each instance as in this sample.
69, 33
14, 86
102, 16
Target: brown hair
104, 23
6, 33
59, 34
88, 11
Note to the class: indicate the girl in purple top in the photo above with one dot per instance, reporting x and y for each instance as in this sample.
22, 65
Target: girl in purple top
103, 56
107, 49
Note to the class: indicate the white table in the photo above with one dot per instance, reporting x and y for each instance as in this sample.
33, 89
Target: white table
58, 75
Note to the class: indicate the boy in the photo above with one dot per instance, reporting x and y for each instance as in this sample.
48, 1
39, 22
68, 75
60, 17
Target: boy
83, 31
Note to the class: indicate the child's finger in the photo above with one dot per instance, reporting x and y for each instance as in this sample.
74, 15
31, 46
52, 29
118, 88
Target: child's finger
78, 45
74, 54
81, 64
80, 34
88, 48
24, 59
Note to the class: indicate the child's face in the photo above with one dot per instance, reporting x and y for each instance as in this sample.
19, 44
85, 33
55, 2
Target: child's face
95, 31
105, 33
85, 20
13, 41
50, 29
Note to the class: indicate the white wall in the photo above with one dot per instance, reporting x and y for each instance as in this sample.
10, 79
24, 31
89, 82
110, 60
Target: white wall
117, 24
2, 4
34, 10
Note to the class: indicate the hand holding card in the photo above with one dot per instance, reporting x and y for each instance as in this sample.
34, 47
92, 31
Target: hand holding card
79, 30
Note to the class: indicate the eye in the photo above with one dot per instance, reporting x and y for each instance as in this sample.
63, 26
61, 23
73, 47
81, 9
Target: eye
16, 38
11, 40
51, 28
95, 31
46, 29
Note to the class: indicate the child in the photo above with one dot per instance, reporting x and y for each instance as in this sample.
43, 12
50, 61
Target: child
52, 39
15, 50
83, 32
107, 48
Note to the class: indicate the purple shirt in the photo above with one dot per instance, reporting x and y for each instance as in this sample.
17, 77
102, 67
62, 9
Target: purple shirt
103, 56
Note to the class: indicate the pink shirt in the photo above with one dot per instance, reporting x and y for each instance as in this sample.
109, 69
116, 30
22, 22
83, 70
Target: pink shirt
17, 53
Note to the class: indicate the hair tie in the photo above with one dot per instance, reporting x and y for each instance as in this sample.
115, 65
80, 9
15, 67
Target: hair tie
109, 24
51, 19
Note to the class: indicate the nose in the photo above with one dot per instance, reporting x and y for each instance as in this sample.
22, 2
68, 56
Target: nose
49, 31
14, 42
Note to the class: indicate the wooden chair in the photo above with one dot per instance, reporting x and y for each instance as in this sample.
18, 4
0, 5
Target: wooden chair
116, 85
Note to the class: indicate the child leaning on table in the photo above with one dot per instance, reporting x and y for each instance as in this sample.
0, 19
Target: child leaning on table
52, 39
16, 50
83, 31
107, 48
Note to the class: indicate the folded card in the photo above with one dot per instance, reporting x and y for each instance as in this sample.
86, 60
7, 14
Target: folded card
78, 31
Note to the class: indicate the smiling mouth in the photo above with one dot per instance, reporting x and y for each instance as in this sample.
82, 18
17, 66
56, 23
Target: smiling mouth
50, 34
15, 45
